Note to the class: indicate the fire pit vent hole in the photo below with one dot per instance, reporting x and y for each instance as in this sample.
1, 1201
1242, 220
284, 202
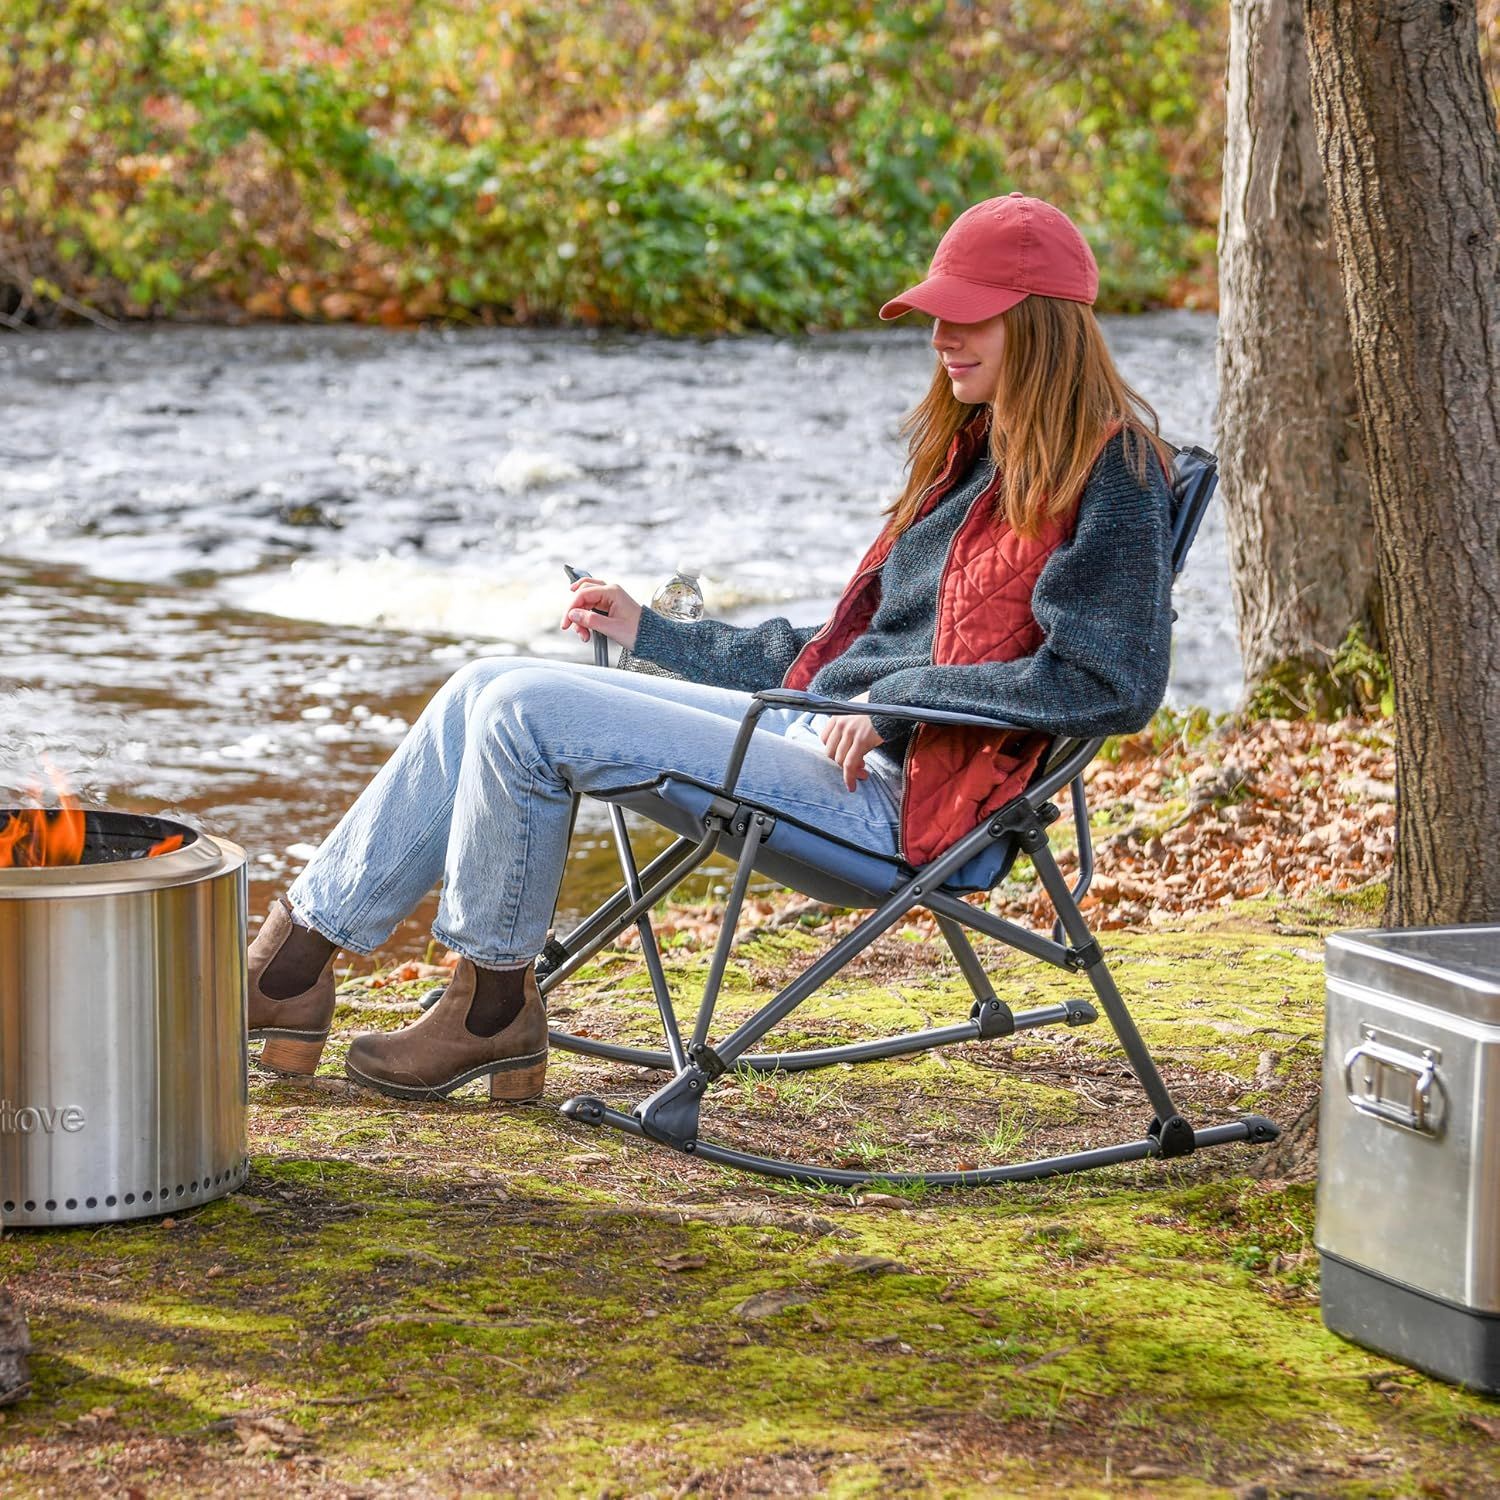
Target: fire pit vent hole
146, 1195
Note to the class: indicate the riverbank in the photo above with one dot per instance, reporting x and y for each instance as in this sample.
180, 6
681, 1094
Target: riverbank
412, 1299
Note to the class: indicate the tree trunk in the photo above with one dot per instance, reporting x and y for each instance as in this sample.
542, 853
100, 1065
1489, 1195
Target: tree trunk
1293, 1156
1297, 499
1406, 129
15, 1342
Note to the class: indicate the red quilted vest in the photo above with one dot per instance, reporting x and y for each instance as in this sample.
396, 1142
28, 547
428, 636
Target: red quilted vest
954, 776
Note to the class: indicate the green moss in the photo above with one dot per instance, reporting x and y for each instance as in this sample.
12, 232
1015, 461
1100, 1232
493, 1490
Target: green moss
1355, 679
492, 1299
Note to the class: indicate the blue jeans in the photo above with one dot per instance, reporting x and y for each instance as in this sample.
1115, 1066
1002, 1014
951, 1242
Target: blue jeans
480, 791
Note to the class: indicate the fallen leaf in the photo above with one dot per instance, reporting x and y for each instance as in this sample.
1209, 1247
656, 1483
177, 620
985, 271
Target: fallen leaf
269, 1435
340, 306
868, 1264
768, 1304
265, 304
681, 1262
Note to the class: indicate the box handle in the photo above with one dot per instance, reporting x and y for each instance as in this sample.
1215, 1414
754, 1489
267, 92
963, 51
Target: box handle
1393, 1085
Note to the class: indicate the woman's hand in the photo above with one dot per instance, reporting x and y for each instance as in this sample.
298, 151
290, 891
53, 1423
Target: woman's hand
848, 738
621, 617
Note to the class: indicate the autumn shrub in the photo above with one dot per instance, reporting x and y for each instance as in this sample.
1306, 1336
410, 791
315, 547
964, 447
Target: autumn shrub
691, 166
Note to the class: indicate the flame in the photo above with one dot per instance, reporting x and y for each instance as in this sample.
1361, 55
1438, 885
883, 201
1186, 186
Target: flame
41, 836
166, 846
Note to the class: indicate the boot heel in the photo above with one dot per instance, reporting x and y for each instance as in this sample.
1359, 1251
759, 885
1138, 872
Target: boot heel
282, 1055
519, 1085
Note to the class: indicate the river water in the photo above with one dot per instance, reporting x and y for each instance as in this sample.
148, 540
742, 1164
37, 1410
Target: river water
234, 563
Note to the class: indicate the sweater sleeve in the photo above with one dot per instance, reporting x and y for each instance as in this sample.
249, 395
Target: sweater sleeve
746, 657
1103, 601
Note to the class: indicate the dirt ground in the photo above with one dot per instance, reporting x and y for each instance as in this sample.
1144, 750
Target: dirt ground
462, 1298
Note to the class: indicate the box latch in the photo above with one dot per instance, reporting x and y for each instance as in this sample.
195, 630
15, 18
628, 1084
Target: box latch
1395, 1080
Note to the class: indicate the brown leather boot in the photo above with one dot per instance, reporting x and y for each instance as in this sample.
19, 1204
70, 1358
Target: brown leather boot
438, 1053
295, 1029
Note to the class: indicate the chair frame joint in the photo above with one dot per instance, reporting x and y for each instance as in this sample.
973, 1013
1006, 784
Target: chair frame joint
670, 1115
993, 1018
552, 957
707, 1061
1175, 1136
1032, 834
1086, 956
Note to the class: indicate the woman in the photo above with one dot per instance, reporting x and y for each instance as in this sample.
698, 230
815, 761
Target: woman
1023, 575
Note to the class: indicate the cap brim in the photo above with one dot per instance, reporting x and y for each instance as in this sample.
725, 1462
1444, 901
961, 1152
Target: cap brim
952, 298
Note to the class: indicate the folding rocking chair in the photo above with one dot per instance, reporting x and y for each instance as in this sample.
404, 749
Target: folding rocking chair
760, 837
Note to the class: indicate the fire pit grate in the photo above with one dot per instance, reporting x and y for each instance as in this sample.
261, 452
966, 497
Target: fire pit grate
112, 836
109, 836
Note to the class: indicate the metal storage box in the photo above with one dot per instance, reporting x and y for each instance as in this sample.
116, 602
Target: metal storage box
1409, 1148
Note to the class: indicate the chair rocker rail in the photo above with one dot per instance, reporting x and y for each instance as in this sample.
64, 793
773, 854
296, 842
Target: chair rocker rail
1255, 1129
670, 1115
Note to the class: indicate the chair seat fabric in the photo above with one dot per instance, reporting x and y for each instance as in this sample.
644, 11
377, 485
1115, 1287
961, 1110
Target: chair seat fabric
807, 859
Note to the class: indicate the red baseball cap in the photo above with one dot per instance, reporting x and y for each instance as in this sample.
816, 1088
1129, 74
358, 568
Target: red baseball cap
997, 253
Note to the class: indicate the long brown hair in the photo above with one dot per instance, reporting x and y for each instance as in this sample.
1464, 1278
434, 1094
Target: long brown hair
1058, 398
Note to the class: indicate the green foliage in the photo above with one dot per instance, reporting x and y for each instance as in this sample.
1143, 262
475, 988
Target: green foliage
690, 167
1356, 679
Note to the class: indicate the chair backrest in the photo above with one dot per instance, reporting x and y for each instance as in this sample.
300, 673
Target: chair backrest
1195, 477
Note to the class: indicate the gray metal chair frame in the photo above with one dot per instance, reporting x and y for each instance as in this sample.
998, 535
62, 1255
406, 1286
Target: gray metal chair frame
715, 819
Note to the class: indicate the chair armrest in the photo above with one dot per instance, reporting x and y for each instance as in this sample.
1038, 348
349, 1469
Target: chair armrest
817, 703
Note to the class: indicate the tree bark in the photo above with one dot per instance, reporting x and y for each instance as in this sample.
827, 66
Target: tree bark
1406, 129
1297, 501
1293, 1156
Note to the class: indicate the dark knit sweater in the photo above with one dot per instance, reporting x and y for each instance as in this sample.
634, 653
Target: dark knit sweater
1102, 600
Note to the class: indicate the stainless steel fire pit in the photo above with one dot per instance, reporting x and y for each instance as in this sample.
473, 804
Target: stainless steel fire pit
122, 1026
